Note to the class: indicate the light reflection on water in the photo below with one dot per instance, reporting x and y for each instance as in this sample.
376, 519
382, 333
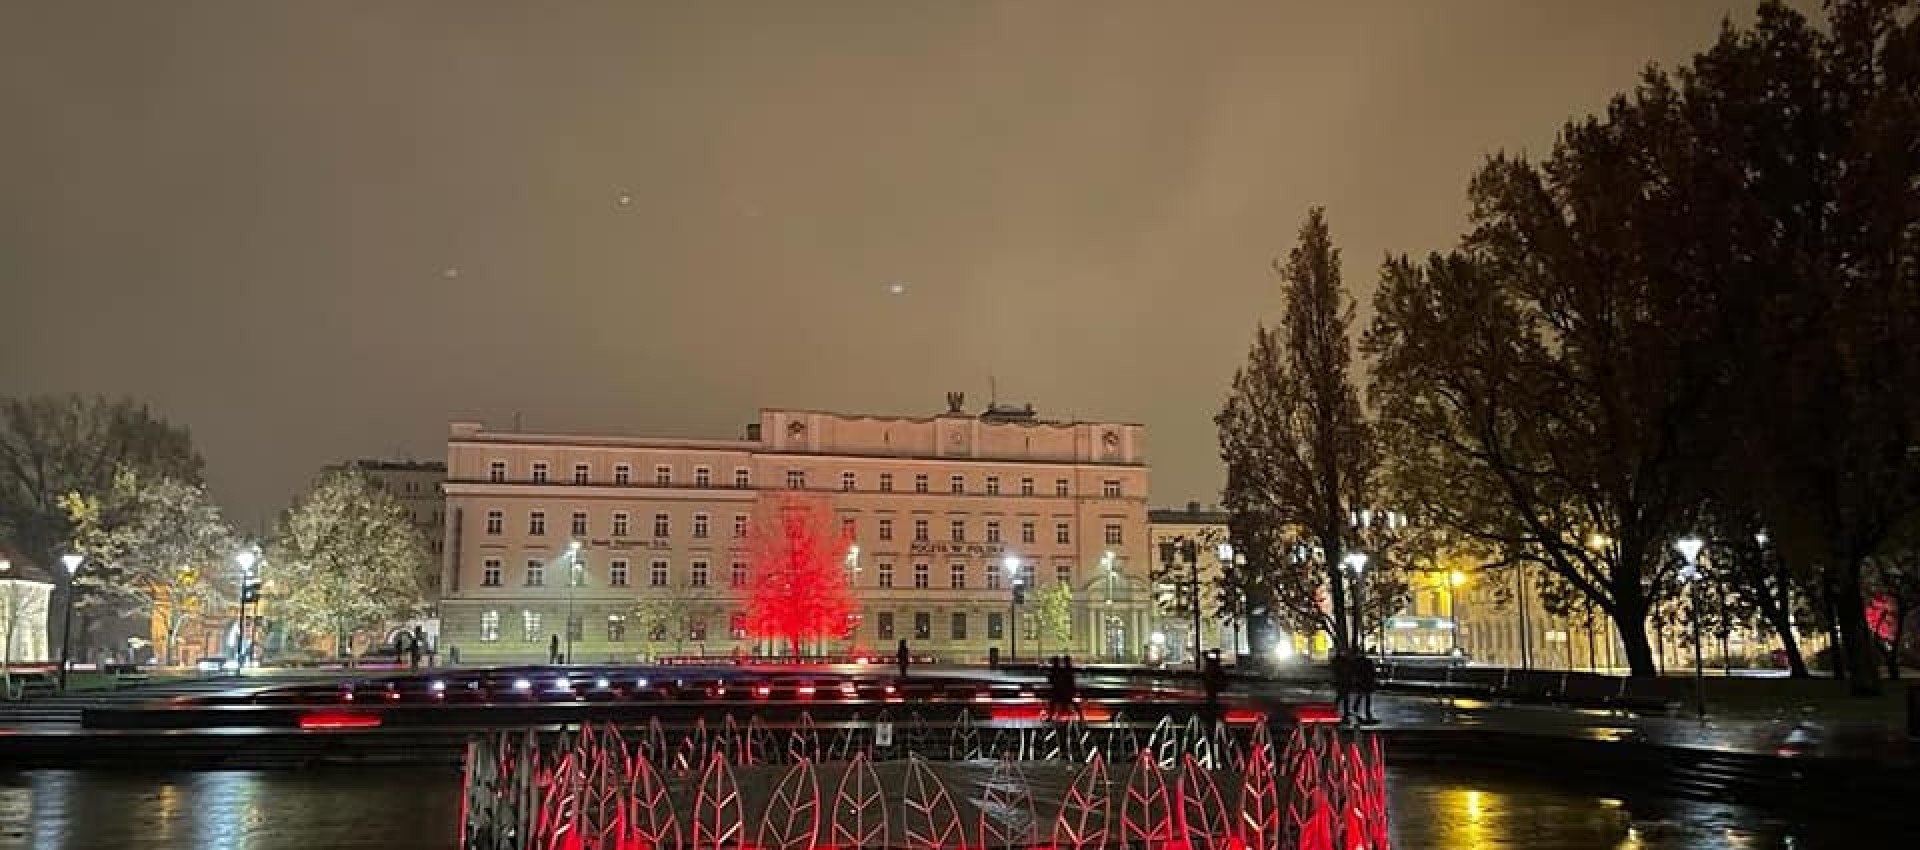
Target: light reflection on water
417, 807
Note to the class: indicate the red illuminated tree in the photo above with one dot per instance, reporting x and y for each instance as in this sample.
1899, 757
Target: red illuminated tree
797, 588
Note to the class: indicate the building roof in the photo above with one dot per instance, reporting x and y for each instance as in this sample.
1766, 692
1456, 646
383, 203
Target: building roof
1192, 514
373, 465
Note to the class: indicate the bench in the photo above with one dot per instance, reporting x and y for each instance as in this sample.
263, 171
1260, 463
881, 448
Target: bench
28, 684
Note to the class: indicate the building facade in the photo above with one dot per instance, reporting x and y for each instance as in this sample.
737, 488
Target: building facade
1172, 636
935, 506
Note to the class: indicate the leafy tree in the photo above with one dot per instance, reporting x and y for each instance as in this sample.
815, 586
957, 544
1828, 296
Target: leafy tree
346, 558
797, 589
155, 547
56, 445
1893, 585
1053, 615
1299, 453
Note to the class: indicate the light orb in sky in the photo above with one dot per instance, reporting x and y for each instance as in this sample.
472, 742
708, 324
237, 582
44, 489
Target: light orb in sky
626, 200
896, 288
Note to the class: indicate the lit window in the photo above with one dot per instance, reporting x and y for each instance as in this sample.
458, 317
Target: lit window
616, 628
1026, 486
539, 473
700, 526
530, 626
581, 474
617, 572
489, 626
490, 572
657, 573
496, 521
536, 573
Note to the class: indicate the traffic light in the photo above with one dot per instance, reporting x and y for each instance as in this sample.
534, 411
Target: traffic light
250, 592
1019, 593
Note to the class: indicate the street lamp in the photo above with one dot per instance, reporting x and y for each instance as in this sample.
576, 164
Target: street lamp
1231, 560
246, 558
1689, 548
72, 563
1356, 563
1170, 553
1012, 565
1108, 563
573, 580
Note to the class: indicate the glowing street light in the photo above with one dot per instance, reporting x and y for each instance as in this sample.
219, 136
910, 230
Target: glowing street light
72, 563
1689, 548
247, 559
1012, 565
573, 580
1455, 579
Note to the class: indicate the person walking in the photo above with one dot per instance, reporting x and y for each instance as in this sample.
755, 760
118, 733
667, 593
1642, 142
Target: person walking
1341, 666
553, 649
904, 657
1367, 677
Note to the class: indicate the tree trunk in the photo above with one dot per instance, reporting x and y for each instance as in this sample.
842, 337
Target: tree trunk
1893, 648
1782, 626
1863, 671
1630, 620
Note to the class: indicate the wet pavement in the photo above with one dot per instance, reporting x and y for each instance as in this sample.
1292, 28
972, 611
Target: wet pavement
413, 807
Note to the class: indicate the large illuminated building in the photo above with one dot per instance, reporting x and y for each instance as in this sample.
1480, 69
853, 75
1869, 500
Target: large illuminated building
939, 509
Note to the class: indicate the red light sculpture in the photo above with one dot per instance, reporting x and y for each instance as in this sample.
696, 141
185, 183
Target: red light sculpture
797, 585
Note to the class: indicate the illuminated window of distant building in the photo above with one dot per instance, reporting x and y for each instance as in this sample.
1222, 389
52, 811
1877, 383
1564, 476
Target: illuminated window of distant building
922, 626
489, 626
1110, 488
530, 626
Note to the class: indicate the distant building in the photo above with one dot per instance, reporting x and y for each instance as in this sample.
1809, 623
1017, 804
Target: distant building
1172, 637
935, 504
24, 624
416, 484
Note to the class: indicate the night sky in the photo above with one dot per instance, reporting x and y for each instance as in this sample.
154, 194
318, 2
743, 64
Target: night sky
320, 230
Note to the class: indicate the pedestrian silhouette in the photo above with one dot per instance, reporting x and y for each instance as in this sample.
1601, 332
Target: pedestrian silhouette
553, 649
903, 656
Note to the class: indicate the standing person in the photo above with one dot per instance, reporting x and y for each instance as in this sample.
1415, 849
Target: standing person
553, 649
1213, 677
903, 656
1341, 666
1367, 677
413, 651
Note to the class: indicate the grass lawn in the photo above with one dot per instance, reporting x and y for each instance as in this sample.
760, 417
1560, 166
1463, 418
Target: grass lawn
1819, 699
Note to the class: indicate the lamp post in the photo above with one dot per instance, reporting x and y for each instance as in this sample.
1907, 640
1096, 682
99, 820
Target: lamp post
1356, 563
246, 558
1237, 562
573, 580
1689, 548
1107, 562
1012, 566
1455, 579
72, 563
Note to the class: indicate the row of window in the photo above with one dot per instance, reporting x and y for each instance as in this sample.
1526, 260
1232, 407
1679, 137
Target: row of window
700, 573
694, 628
541, 473
620, 524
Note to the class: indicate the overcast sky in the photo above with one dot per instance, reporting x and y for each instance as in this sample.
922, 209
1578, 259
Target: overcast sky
320, 230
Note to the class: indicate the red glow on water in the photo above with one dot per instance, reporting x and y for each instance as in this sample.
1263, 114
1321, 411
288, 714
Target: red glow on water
1243, 716
1315, 713
1010, 713
338, 720
762, 691
847, 689
806, 690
